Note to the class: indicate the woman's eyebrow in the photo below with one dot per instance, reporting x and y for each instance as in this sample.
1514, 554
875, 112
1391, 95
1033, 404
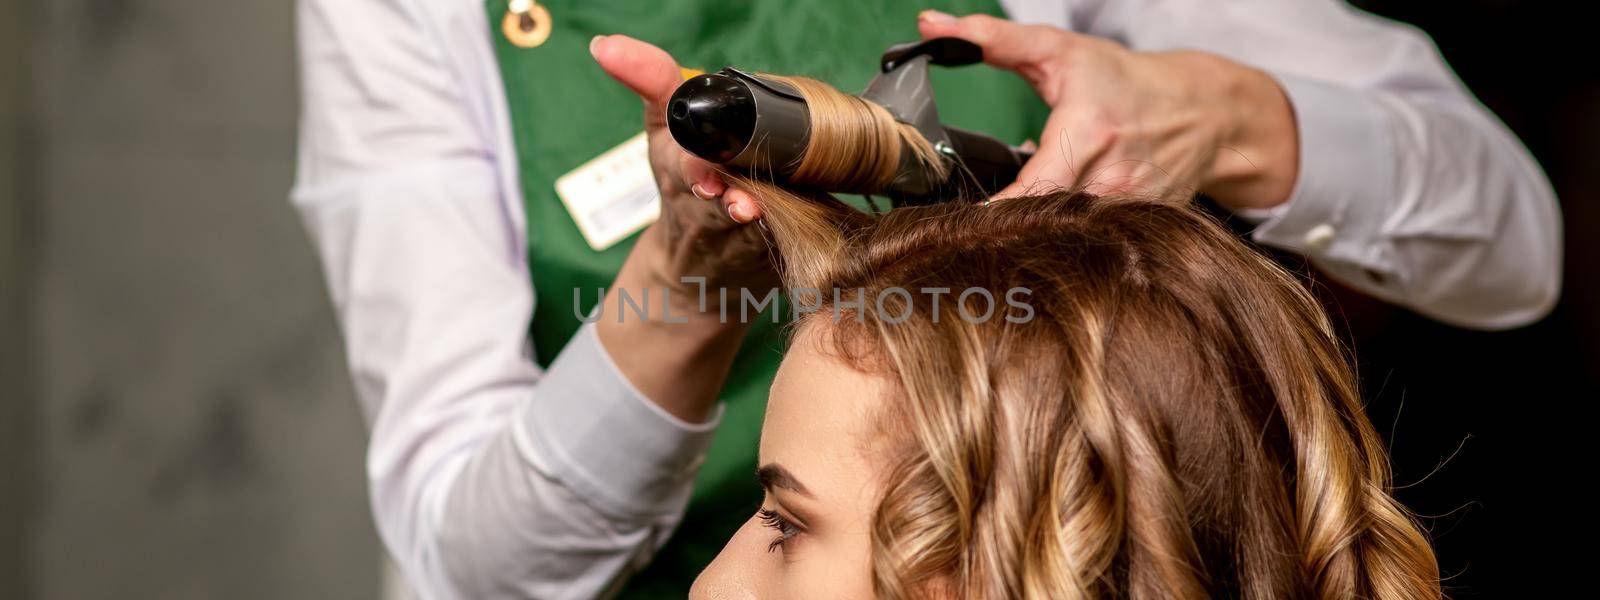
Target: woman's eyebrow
773, 475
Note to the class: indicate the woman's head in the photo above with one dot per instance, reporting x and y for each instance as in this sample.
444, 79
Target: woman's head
1060, 396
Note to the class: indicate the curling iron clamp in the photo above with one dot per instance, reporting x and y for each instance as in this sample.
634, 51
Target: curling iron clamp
757, 124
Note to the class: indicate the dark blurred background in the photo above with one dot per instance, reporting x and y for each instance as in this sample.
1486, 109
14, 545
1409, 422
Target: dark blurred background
175, 420
1490, 431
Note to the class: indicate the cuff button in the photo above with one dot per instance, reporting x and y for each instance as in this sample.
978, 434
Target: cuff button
1320, 237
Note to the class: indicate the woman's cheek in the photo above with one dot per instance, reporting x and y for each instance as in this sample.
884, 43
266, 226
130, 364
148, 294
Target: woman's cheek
820, 566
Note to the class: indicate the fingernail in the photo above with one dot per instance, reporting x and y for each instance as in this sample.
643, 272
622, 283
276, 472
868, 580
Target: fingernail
702, 193
593, 42
738, 213
936, 17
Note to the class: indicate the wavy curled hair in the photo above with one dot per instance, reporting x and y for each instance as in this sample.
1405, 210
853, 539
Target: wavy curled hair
1175, 420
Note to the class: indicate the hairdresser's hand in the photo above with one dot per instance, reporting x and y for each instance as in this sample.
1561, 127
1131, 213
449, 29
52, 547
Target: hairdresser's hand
705, 228
679, 354
1170, 123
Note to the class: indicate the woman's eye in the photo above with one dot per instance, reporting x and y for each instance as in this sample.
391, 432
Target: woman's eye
786, 529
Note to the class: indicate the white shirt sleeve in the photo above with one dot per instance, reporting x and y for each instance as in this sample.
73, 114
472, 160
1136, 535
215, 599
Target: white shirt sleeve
1409, 189
489, 477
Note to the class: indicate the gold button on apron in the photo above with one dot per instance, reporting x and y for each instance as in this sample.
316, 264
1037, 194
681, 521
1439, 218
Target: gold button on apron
527, 24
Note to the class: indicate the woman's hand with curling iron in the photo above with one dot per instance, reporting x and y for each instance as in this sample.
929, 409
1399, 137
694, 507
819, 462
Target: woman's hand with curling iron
1170, 123
706, 230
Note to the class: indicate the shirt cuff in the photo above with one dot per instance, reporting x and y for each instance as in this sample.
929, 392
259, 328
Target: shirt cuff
1345, 186
590, 429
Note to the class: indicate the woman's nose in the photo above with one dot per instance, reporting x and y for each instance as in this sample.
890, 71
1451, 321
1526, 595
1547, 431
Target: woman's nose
739, 570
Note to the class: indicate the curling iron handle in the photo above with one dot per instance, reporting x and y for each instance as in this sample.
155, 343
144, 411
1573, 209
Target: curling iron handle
993, 163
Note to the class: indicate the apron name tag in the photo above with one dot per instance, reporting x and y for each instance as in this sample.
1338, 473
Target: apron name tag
613, 195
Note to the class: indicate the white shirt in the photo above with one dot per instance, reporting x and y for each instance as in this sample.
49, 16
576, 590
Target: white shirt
492, 477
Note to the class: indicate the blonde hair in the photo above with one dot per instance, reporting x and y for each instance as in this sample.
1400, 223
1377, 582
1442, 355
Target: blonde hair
855, 145
1175, 420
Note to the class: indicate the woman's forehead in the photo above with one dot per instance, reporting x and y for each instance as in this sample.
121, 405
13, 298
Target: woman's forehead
818, 399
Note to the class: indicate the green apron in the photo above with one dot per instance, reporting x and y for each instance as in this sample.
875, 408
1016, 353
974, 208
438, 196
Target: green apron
565, 111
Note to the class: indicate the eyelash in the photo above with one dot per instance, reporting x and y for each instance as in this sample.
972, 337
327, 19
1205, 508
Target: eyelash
786, 529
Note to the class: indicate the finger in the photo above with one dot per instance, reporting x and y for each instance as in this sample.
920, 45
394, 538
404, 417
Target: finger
1125, 177
1011, 191
702, 176
1053, 166
741, 206
647, 70
1111, 180
1005, 44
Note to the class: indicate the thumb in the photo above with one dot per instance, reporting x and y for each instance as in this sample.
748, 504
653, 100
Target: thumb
1006, 44
647, 70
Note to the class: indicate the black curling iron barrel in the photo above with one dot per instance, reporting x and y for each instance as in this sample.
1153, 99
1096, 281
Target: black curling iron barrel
717, 116
760, 125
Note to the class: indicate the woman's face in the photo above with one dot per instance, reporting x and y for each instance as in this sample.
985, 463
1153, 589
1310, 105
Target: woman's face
811, 538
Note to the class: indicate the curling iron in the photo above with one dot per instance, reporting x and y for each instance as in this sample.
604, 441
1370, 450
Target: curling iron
750, 122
